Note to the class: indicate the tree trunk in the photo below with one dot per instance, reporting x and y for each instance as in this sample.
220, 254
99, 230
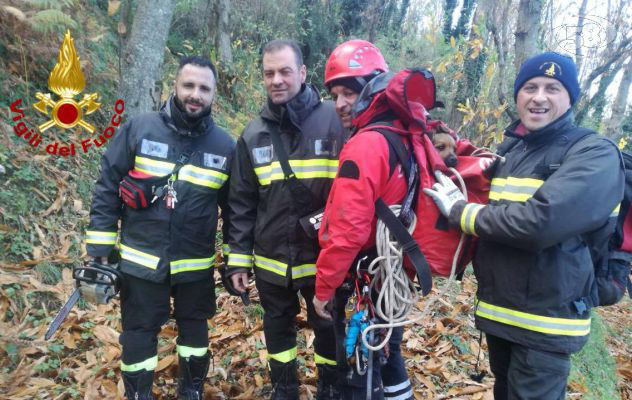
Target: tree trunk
497, 27
612, 127
144, 53
463, 25
527, 27
579, 58
598, 100
448, 10
222, 38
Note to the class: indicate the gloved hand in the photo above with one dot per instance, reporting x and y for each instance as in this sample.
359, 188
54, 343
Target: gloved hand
444, 193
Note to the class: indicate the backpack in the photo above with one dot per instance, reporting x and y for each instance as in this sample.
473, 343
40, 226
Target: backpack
610, 245
406, 96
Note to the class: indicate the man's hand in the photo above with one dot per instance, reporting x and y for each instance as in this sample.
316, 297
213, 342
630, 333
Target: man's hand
239, 281
444, 193
319, 307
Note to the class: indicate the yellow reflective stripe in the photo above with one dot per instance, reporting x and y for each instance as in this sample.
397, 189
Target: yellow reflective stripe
138, 257
271, 265
304, 270
225, 249
97, 237
533, 322
193, 264
468, 217
318, 359
514, 189
303, 169
616, 210
240, 260
202, 176
153, 167
149, 364
284, 356
186, 351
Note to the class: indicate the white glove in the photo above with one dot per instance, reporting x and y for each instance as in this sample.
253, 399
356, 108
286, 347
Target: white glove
445, 193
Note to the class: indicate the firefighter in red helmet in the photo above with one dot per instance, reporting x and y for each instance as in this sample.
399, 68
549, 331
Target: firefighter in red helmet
351, 66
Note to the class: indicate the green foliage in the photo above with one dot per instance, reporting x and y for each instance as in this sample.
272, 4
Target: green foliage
448, 11
51, 4
593, 368
52, 20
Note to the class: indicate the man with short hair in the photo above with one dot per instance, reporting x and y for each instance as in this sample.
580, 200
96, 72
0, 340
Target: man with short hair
266, 207
533, 264
163, 177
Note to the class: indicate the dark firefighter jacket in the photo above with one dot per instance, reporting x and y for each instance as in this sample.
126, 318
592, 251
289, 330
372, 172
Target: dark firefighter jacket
157, 242
264, 226
534, 270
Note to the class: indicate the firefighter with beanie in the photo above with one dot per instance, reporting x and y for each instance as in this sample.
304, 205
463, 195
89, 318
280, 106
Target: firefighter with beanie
163, 177
533, 264
348, 231
285, 162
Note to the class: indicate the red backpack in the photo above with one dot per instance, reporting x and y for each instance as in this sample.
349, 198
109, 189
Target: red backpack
407, 96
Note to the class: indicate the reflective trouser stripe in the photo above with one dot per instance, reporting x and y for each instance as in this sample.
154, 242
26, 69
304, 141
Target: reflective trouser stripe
138, 257
304, 270
271, 265
615, 212
191, 265
284, 356
202, 176
514, 189
149, 364
468, 218
318, 359
533, 322
393, 392
240, 260
153, 167
225, 249
186, 351
97, 237
303, 169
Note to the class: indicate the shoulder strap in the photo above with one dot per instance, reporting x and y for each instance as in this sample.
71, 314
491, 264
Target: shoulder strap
183, 158
555, 156
396, 144
279, 149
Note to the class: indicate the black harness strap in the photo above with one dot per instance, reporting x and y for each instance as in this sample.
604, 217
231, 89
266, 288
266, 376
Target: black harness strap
409, 166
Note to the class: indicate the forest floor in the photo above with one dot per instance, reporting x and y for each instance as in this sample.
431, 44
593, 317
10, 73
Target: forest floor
82, 360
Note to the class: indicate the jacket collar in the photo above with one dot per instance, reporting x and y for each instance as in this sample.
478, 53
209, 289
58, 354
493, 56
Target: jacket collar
545, 134
294, 111
173, 118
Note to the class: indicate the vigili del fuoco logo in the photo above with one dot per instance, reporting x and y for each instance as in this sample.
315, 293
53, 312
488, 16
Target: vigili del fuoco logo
66, 81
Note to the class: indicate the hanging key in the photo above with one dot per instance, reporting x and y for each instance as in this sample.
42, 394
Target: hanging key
159, 192
171, 198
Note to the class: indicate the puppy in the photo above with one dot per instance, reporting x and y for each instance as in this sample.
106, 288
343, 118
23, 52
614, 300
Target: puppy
446, 146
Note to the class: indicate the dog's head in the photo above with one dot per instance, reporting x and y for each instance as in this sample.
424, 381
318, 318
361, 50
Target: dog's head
446, 146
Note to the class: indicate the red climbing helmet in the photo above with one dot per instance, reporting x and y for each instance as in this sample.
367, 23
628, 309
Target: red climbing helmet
354, 58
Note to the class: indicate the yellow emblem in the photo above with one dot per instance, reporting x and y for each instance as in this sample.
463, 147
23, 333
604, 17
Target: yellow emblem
67, 81
551, 70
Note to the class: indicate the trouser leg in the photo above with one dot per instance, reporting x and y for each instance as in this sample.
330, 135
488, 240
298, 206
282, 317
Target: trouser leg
536, 374
394, 376
324, 350
281, 305
144, 309
194, 303
499, 360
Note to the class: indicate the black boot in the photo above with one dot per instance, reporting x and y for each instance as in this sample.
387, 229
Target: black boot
284, 380
328, 386
192, 372
138, 384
